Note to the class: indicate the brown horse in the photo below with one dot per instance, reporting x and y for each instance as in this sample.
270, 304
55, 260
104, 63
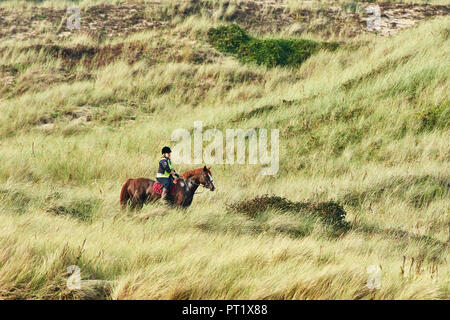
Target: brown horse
137, 192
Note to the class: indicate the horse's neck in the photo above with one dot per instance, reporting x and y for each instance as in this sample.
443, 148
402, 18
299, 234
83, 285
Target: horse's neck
192, 185
188, 190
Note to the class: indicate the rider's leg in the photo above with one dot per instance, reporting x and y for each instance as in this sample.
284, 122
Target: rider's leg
167, 185
164, 196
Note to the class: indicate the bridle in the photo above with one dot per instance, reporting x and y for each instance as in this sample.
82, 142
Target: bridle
209, 181
207, 185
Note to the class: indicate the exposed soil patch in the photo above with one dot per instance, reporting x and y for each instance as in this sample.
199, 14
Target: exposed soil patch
397, 16
16, 24
97, 21
108, 21
355, 18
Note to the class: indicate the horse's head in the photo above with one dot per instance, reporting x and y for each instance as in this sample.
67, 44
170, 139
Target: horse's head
206, 179
201, 176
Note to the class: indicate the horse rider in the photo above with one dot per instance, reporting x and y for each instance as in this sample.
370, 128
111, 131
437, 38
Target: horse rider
166, 173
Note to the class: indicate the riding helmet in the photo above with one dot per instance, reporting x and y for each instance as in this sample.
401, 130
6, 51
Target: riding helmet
166, 150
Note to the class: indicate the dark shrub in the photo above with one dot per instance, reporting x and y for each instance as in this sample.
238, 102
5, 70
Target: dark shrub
82, 209
329, 211
234, 40
228, 39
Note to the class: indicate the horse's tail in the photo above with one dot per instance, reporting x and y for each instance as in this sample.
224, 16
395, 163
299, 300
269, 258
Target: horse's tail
124, 195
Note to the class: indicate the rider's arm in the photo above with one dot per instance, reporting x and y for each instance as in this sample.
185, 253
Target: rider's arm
165, 166
173, 172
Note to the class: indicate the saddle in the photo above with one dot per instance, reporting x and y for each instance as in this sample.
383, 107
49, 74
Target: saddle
157, 188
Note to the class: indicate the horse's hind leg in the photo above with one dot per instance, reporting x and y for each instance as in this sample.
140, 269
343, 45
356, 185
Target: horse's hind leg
138, 203
143, 200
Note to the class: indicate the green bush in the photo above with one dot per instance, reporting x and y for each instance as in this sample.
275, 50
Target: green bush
228, 39
82, 209
234, 40
329, 211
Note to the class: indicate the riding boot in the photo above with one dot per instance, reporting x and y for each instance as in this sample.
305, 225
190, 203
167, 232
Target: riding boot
164, 200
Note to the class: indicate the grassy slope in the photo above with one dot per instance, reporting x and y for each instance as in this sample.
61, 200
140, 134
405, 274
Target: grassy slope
289, 3
366, 125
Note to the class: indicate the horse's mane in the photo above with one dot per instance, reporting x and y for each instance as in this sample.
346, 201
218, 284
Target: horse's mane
193, 172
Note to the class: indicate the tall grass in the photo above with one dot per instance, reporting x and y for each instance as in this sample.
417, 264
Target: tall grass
365, 126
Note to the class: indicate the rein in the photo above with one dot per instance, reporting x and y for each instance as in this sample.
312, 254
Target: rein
198, 184
202, 189
184, 192
195, 184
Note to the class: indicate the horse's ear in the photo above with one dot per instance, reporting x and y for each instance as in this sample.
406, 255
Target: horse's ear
209, 168
204, 168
